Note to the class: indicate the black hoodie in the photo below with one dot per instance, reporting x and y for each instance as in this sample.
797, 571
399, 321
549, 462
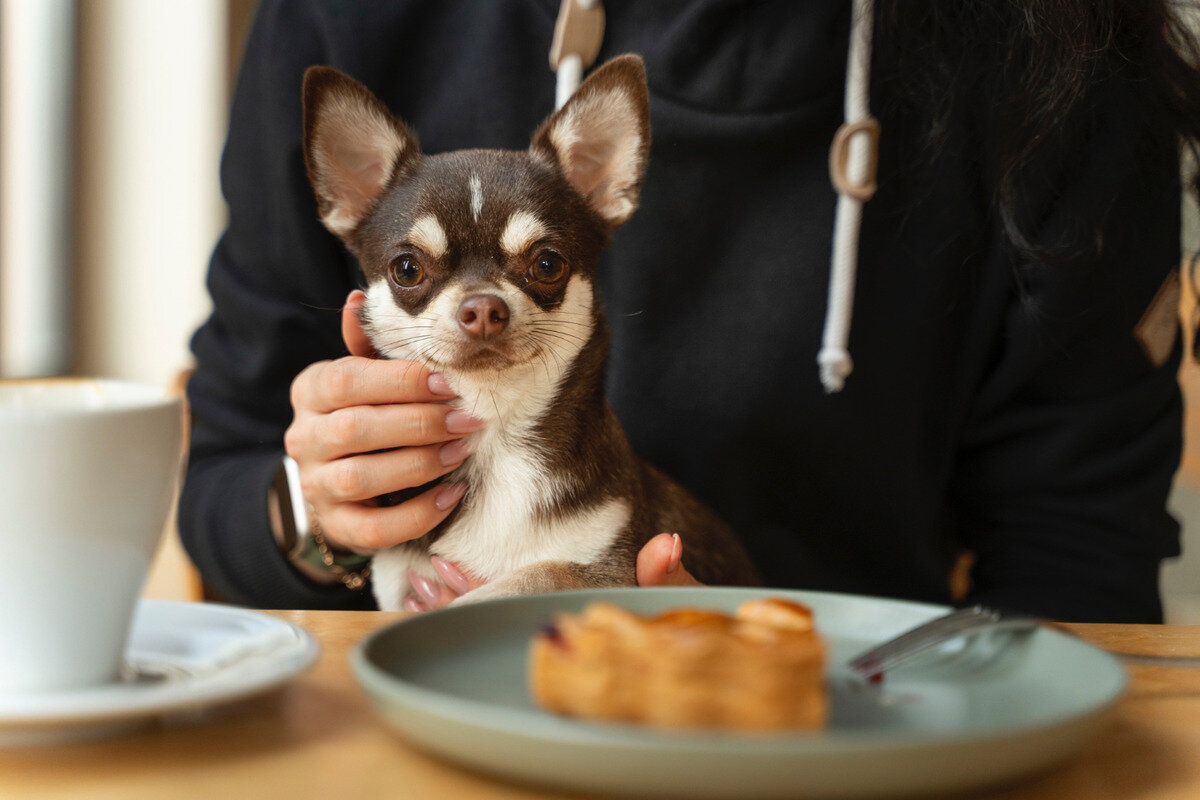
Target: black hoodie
998, 405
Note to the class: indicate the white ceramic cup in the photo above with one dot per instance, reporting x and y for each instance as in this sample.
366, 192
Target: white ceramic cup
88, 469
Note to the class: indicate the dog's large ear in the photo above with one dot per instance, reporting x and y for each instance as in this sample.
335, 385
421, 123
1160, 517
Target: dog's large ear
600, 138
353, 146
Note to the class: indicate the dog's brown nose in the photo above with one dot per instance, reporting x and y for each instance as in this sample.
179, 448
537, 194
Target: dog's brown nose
482, 316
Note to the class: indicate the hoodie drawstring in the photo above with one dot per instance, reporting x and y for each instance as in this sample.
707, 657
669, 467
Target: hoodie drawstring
578, 33
853, 158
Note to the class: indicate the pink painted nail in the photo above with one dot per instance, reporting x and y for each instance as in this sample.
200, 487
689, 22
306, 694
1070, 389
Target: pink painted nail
450, 575
424, 588
462, 422
440, 386
454, 452
676, 553
448, 495
412, 605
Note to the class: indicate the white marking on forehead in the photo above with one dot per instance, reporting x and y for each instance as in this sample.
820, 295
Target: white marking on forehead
521, 230
427, 233
476, 196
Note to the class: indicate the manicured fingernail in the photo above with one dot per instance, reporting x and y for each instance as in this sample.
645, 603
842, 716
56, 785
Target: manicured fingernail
450, 575
412, 605
423, 587
462, 422
440, 386
676, 553
453, 452
448, 495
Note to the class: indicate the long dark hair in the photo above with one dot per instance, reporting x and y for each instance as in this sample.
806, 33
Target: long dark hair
1039, 64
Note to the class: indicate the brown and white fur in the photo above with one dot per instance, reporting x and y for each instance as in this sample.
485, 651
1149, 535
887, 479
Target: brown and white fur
500, 248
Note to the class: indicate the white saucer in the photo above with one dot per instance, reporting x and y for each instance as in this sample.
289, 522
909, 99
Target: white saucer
181, 657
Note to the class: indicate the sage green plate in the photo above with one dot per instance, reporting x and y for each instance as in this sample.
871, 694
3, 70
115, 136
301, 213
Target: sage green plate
453, 683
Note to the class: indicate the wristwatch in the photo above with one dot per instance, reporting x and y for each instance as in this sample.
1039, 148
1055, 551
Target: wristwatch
301, 540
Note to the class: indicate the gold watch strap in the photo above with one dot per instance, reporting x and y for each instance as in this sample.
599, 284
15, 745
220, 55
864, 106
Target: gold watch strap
352, 569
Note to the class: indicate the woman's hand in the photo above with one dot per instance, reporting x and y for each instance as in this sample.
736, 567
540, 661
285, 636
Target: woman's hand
660, 563
362, 427
428, 594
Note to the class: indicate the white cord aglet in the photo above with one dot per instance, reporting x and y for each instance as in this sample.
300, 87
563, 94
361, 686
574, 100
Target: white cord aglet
836, 366
578, 34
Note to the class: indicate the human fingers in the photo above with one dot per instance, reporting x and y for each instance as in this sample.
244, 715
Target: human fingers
352, 331
660, 563
362, 477
429, 594
351, 431
363, 528
328, 386
432, 593
455, 577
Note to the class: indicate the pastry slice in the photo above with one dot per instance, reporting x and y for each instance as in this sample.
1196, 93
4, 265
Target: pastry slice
760, 669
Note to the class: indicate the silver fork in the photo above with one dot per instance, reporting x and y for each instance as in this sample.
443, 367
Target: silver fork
964, 622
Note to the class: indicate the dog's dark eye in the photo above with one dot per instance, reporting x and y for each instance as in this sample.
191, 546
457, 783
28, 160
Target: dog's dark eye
406, 272
548, 267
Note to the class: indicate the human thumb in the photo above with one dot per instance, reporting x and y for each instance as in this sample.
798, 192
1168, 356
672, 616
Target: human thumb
352, 333
660, 563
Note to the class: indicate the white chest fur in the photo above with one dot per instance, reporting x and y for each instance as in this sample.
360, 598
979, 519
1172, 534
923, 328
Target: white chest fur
503, 523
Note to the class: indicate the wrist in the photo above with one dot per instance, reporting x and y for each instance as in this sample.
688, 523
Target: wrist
299, 537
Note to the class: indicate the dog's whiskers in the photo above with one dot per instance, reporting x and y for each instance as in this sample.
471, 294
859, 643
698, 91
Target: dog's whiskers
561, 336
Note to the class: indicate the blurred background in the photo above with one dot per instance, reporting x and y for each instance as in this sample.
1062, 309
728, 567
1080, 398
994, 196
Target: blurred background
112, 118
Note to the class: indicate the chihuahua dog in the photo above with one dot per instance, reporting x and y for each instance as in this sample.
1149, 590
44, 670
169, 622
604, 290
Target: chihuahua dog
480, 265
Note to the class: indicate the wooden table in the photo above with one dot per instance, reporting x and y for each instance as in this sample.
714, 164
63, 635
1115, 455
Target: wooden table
317, 738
